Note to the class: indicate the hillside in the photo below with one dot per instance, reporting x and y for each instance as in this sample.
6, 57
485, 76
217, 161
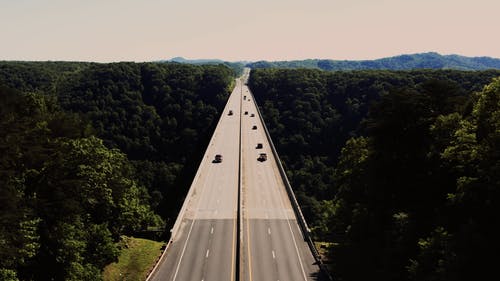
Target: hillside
91, 152
398, 170
402, 62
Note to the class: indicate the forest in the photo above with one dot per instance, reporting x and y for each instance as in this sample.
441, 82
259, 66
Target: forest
90, 152
397, 170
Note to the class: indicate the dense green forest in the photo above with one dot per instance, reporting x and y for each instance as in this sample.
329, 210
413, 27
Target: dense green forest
398, 169
402, 62
90, 152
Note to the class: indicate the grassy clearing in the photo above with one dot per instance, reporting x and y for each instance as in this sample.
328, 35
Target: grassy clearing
137, 257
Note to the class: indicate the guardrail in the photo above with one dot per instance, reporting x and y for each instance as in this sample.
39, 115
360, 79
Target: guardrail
306, 232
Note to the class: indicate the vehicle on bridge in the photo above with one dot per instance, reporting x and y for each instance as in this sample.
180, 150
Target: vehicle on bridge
259, 146
252, 115
246, 112
217, 159
262, 157
254, 127
244, 97
230, 112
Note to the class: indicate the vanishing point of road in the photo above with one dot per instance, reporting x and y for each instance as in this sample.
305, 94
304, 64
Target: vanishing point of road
209, 242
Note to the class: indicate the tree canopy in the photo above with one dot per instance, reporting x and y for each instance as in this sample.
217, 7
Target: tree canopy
90, 152
398, 169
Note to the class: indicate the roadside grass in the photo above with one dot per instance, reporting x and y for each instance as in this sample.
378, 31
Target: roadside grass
136, 258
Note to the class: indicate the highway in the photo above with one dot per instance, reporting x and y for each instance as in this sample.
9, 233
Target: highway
207, 233
204, 237
272, 247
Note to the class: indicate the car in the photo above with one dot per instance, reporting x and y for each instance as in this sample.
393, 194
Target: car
246, 112
262, 157
254, 127
217, 159
259, 146
244, 97
230, 112
252, 115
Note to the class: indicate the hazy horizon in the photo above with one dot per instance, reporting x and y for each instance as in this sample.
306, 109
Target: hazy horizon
149, 30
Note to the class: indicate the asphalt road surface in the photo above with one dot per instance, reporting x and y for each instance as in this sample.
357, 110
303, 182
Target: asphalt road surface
205, 235
204, 243
273, 247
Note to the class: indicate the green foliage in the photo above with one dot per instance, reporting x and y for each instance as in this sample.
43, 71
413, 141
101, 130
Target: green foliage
414, 190
67, 187
136, 258
8, 275
65, 197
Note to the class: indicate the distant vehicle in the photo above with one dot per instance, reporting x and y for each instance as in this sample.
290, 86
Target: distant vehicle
252, 115
262, 157
246, 112
217, 159
254, 127
259, 146
230, 112
244, 97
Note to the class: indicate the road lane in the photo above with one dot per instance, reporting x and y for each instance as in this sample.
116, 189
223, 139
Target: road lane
204, 238
273, 247
203, 243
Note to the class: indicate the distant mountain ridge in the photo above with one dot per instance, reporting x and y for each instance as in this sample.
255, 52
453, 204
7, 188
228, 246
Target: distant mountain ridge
429, 60
196, 61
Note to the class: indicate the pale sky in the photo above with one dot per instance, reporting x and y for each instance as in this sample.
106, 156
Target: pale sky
146, 30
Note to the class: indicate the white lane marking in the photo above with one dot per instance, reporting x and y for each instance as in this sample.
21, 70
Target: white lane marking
208, 251
269, 230
212, 230
183, 250
291, 232
274, 255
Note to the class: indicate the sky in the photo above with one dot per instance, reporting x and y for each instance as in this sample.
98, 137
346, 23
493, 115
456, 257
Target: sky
251, 30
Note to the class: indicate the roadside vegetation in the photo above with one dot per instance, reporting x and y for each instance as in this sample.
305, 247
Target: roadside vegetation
399, 170
396, 171
137, 256
90, 152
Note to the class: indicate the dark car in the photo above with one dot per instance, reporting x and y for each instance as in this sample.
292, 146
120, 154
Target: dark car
217, 159
230, 112
246, 112
254, 127
262, 157
259, 146
252, 115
